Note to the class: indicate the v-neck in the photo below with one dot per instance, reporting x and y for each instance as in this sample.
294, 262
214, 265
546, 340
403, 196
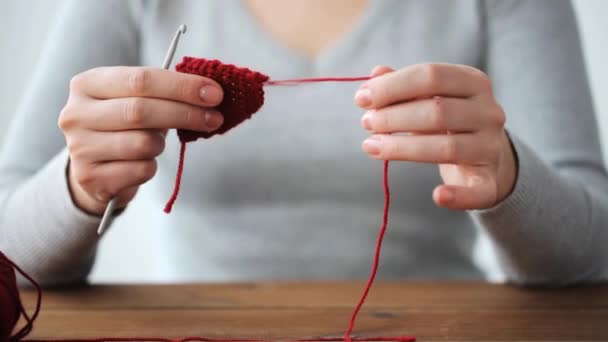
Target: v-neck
345, 45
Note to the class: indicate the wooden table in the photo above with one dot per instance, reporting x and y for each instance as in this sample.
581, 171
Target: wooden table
431, 311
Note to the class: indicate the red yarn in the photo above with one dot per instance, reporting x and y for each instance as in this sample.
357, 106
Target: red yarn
372, 274
10, 305
178, 177
243, 96
12, 308
297, 81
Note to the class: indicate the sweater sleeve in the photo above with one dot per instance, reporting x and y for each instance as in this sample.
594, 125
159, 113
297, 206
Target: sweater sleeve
553, 228
40, 227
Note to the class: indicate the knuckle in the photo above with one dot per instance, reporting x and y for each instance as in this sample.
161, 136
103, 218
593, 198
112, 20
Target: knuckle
146, 170
134, 111
138, 80
500, 119
483, 79
449, 149
77, 81
195, 120
184, 88
380, 93
492, 152
74, 148
150, 145
438, 113
495, 147
388, 149
143, 144
84, 175
160, 146
381, 120
386, 121
102, 195
70, 144
67, 118
431, 74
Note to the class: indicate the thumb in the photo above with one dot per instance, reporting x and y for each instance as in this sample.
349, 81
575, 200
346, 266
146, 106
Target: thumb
478, 196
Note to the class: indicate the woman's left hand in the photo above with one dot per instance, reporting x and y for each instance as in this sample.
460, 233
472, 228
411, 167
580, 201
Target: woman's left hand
451, 118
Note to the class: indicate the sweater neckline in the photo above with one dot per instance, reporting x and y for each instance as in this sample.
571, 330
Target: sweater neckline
346, 44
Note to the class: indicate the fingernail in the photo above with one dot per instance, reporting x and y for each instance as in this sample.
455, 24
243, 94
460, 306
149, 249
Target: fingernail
213, 120
211, 94
363, 97
372, 145
366, 121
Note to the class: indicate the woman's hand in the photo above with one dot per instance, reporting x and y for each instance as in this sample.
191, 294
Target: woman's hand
451, 118
115, 123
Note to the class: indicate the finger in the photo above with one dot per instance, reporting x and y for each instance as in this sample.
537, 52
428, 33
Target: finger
117, 82
106, 180
419, 81
439, 149
427, 115
125, 196
480, 196
138, 112
379, 70
123, 145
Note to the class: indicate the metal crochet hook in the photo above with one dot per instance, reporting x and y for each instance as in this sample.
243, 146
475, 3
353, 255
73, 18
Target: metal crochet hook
106, 219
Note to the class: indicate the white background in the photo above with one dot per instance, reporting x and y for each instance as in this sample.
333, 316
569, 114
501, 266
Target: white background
23, 25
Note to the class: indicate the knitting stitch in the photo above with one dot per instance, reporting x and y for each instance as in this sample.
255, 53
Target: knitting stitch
243, 92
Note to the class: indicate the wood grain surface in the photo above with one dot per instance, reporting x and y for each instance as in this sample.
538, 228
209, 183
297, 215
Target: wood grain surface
446, 311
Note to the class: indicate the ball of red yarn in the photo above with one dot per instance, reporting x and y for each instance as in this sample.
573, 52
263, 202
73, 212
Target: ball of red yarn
243, 92
10, 304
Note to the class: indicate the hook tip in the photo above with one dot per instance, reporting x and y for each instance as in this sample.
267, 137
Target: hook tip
183, 28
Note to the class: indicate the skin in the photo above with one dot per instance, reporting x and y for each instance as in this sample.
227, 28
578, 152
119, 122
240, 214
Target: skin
447, 115
115, 123
296, 24
116, 118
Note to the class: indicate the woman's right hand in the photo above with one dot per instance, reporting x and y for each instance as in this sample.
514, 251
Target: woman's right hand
115, 122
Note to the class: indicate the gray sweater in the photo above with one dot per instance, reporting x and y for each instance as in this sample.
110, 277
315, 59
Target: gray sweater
289, 194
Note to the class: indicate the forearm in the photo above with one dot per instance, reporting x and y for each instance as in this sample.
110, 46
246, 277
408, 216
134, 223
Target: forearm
552, 229
43, 231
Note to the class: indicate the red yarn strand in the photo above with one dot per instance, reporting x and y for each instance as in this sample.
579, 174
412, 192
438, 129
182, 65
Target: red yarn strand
376, 262
316, 80
240, 110
178, 177
29, 321
18, 337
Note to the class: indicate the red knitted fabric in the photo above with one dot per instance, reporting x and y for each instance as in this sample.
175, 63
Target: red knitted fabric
243, 92
243, 96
